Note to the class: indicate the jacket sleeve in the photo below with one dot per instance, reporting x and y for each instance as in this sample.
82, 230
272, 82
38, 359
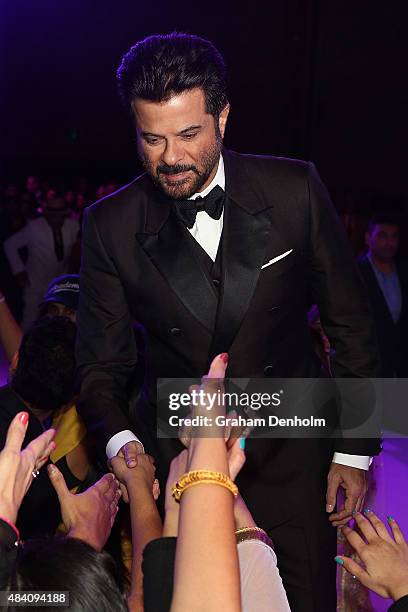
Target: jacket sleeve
106, 348
338, 290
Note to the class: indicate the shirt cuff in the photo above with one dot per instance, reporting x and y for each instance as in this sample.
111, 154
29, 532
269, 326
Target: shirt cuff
362, 462
120, 439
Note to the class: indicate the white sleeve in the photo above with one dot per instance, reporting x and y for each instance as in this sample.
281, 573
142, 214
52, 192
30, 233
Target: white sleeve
118, 440
12, 245
362, 462
261, 585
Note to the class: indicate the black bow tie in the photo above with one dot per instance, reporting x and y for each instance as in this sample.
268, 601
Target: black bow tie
212, 204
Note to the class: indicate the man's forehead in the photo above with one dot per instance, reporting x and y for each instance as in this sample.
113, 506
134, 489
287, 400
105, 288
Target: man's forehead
177, 113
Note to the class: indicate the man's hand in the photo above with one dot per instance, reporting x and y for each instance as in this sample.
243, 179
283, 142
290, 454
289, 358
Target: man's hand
142, 475
129, 452
354, 483
88, 516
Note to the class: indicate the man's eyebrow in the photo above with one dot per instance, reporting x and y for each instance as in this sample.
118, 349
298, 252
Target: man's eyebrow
187, 129
150, 134
190, 128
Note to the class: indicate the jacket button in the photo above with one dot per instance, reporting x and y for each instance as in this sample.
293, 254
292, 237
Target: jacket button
175, 331
268, 371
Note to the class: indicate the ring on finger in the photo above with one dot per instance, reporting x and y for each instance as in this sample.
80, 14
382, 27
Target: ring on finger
35, 473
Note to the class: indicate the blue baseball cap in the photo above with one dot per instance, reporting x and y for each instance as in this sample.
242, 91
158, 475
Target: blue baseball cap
64, 290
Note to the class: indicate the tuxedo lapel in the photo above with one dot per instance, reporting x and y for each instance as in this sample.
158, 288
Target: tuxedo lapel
169, 250
243, 250
247, 225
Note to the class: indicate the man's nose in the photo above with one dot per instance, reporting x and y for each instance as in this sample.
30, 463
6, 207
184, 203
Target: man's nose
173, 153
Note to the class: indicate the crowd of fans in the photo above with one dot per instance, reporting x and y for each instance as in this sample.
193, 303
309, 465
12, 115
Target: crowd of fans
64, 516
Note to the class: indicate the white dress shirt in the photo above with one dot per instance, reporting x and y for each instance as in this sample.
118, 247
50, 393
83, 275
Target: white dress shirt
207, 231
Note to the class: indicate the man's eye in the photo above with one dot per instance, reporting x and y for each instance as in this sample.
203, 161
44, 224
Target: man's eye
152, 141
189, 136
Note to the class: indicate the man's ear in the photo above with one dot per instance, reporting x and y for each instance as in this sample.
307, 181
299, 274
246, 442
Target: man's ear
222, 119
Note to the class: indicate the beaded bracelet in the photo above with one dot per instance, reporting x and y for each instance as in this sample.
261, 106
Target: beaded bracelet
253, 533
203, 477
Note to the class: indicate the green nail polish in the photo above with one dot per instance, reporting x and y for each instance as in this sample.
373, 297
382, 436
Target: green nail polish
390, 518
339, 560
242, 443
367, 510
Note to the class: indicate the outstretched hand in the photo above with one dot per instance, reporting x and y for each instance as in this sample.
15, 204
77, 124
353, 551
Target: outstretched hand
88, 516
385, 557
17, 467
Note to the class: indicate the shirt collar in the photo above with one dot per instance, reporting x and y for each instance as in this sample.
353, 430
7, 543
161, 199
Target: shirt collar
219, 179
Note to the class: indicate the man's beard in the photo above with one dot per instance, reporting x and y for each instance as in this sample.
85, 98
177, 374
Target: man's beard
198, 176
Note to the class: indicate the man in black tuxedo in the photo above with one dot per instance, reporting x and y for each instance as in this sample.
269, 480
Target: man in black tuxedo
386, 280
233, 272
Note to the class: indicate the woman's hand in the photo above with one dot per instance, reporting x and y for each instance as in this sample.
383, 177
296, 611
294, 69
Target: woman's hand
385, 557
17, 467
88, 516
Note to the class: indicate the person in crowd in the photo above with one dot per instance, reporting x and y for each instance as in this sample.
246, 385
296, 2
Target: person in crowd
235, 271
48, 241
386, 280
382, 557
43, 384
60, 299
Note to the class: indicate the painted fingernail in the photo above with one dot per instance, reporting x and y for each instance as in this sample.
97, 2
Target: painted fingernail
367, 510
354, 512
224, 357
242, 442
339, 560
390, 518
23, 418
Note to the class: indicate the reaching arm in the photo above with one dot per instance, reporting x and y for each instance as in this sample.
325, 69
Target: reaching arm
206, 574
145, 519
106, 350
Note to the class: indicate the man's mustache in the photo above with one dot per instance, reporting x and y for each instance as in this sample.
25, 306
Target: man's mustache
169, 170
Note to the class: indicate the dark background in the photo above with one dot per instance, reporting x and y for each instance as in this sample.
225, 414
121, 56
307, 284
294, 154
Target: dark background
324, 80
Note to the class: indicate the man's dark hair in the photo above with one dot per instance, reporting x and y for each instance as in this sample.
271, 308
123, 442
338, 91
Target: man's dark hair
67, 564
382, 218
45, 371
164, 65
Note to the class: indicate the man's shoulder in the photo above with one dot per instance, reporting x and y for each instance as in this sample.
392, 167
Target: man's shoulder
123, 203
277, 165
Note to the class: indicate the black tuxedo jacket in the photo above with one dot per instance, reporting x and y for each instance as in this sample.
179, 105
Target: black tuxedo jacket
392, 337
137, 264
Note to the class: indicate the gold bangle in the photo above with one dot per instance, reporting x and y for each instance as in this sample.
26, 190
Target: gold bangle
253, 533
203, 477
